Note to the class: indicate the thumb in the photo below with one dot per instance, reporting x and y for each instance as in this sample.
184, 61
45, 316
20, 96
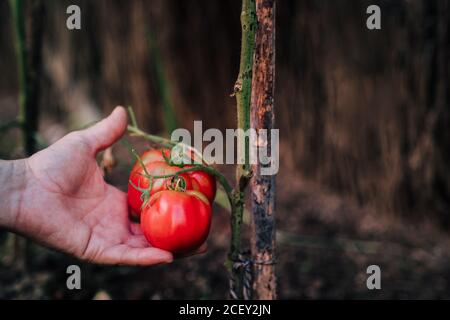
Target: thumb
106, 132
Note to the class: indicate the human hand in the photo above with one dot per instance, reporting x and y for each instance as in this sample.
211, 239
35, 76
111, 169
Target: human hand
66, 204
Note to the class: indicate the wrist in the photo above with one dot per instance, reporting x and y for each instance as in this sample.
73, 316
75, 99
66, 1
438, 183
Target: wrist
12, 188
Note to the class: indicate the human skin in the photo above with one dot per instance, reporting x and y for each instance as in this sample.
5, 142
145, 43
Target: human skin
58, 197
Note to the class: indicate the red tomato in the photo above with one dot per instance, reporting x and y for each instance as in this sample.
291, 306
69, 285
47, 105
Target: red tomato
176, 221
203, 182
149, 156
155, 164
158, 168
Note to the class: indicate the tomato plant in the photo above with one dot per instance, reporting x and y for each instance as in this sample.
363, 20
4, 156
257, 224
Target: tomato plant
170, 221
176, 221
155, 165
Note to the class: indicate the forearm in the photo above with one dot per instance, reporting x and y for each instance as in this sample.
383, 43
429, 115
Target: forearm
12, 184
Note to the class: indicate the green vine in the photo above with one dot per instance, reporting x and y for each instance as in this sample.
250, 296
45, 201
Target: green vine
242, 92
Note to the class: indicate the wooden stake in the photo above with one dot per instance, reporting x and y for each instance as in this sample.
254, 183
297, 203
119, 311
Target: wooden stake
263, 186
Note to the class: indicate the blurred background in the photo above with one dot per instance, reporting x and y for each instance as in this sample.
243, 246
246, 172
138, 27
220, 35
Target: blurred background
364, 124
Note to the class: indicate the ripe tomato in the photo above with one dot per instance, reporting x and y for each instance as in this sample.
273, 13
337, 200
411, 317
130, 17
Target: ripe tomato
176, 221
149, 156
157, 168
203, 182
155, 165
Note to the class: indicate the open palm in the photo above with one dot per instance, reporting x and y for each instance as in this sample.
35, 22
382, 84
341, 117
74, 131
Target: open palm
67, 205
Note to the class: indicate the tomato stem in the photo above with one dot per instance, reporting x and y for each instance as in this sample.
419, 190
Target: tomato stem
219, 177
133, 129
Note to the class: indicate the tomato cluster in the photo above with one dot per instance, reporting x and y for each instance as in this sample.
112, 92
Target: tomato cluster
177, 214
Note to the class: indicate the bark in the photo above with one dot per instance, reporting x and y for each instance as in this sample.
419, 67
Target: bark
263, 186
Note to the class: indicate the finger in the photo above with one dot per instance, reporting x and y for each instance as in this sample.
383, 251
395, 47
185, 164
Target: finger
106, 132
137, 242
135, 228
126, 255
202, 249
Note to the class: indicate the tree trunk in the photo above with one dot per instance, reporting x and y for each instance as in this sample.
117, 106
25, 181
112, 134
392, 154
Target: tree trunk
263, 186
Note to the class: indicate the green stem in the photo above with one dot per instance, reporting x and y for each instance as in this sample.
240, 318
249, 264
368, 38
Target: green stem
243, 86
17, 12
134, 130
150, 137
168, 109
132, 117
219, 177
28, 45
29, 66
242, 91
